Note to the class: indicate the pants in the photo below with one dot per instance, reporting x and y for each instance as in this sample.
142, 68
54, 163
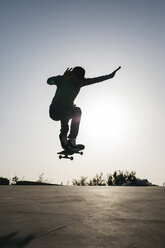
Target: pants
64, 114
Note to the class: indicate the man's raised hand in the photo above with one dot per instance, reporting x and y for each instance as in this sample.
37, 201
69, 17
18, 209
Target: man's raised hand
114, 72
67, 73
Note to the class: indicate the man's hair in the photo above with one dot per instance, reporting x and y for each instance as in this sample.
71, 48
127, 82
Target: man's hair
79, 72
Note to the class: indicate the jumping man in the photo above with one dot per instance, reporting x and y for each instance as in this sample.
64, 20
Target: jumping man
63, 108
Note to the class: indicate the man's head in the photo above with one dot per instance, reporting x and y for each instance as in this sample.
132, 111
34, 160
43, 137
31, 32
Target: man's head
78, 72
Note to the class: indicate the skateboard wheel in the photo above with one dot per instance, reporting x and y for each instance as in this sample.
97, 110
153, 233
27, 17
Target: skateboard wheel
81, 153
71, 158
60, 157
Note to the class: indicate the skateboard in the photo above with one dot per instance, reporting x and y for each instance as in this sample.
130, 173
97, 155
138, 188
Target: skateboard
68, 152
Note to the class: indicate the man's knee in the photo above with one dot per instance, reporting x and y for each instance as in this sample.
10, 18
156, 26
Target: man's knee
77, 112
53, 116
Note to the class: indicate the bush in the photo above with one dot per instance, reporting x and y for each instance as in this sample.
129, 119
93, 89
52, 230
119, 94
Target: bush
98, 180
15, 180
4, 181
119, 177
81, 182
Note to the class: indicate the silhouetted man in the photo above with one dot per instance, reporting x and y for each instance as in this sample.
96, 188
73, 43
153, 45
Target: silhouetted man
62, 107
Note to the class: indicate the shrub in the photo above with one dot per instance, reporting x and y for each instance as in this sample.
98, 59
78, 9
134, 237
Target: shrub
4, 181
81, 182
120, 177
98, 180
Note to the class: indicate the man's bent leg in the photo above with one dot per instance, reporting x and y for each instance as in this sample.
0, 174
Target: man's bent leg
76, 117
63, 132
61, 114
64, 114
64, 127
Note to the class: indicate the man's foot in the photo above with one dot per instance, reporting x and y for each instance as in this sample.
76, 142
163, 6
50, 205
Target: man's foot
64, 141
72, 144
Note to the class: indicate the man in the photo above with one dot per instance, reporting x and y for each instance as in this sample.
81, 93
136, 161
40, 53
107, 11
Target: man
62, 107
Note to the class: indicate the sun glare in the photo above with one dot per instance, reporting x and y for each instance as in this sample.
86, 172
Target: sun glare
105, 121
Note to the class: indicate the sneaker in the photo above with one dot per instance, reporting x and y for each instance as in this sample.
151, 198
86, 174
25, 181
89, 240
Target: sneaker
64, 141
72, 143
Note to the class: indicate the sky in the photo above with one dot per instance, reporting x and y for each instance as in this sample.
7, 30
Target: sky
123, 119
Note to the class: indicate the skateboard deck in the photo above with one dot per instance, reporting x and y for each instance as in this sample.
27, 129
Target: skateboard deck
68, 152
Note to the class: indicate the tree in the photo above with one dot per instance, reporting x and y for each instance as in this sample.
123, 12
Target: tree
117, 178
83, 181
15, 180
98, 180
75, 182
121, 177
41, 178
109, 180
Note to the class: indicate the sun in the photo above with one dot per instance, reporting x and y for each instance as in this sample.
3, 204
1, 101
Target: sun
106, 121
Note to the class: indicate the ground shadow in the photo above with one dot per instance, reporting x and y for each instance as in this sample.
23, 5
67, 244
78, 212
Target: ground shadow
11, 241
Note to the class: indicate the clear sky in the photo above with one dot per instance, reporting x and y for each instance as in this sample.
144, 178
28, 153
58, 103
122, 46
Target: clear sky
122, 119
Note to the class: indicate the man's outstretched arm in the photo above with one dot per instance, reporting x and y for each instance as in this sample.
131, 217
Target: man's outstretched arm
88, 81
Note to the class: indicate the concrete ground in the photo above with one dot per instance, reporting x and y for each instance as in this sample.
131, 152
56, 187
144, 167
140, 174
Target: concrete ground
57, 217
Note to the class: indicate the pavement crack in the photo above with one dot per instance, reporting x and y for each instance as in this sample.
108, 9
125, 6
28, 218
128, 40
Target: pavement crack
60, 228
